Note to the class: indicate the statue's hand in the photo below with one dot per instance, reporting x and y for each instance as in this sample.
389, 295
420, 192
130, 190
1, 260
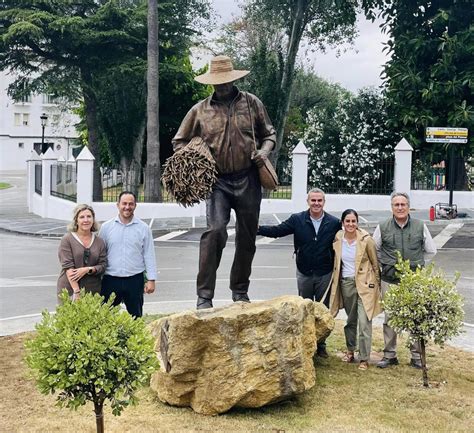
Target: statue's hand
260, 157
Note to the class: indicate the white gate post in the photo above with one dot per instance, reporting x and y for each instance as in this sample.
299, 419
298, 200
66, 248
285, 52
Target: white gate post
299, 177
31, 176
49, 158
85, 176
403, 155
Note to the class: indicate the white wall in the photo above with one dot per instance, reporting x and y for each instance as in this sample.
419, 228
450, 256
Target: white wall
13, 156
425, 199
62, 209
105, 211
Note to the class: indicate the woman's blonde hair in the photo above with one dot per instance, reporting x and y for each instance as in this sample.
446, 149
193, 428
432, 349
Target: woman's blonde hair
77, 210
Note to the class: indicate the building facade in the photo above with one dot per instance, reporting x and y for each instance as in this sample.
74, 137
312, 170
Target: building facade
21, 129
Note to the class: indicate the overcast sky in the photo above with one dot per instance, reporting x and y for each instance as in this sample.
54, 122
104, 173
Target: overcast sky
359, 67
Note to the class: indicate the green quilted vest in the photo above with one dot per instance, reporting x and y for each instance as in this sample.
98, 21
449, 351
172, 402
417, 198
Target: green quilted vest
407, 240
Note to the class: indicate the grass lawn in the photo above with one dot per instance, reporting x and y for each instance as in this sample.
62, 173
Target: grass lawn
4, 185
343, 400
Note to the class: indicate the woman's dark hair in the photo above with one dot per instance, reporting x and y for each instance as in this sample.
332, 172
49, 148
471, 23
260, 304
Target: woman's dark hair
348, 212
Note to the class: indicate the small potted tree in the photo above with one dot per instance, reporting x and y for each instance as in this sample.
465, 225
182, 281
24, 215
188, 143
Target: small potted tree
91, 351
426, 305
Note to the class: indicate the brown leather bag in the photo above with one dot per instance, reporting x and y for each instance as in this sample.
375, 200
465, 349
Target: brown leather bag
266, 173
268, 176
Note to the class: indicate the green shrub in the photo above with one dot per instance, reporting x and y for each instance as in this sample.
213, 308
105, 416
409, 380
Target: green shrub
426, 305
91, 351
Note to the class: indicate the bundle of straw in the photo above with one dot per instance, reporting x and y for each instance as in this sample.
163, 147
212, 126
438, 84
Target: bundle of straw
190, 173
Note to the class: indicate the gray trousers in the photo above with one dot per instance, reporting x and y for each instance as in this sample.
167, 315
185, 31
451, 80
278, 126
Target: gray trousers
356, 315
242, 192
314, 287
390, 336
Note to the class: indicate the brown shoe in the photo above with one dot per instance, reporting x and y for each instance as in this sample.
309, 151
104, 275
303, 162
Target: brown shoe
348, 357
363, 365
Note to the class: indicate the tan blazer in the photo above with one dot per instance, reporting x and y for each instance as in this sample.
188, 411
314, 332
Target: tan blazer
367, 277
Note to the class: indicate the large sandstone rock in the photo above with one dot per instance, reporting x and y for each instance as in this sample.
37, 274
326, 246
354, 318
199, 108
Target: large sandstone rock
246, 355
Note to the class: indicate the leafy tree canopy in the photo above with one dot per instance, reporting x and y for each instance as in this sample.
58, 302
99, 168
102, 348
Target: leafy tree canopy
277, 28
429, 78
50, 44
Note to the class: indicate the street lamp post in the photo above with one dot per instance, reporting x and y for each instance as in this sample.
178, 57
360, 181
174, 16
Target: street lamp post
43, 118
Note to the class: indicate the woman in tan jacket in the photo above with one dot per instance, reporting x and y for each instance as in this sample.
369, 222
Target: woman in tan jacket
355, 285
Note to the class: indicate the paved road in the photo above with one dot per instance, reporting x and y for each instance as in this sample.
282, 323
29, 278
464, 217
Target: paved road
29, 270
29, 266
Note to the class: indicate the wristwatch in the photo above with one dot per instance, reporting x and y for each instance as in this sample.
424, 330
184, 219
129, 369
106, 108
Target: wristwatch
91, 270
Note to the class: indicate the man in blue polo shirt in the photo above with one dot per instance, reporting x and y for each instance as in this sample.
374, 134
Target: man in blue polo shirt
130, 252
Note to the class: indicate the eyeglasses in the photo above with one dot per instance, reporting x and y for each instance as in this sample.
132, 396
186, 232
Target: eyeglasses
87, 253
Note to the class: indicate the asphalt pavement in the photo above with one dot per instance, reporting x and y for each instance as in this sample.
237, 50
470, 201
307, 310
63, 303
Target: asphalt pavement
455, 237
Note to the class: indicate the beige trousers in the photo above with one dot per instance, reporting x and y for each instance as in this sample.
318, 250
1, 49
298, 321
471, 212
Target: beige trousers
356, 317
390, 336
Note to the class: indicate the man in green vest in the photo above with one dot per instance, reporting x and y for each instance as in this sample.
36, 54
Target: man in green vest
412, 239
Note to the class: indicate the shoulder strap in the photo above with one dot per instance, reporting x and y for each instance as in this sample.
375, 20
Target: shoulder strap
251, 120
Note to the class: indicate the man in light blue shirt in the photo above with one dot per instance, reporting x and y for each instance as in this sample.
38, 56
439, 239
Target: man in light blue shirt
130, 252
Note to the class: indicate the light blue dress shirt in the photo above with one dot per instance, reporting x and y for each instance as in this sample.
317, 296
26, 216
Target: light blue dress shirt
130, 248
317, 222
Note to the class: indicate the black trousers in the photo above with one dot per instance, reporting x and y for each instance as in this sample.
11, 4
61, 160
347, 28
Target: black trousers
128, 290
242, 192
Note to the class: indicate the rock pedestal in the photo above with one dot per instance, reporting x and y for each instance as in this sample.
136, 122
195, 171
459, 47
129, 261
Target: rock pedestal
245, 355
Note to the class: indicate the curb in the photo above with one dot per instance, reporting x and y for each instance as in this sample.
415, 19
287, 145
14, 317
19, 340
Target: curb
33, 234
370, 224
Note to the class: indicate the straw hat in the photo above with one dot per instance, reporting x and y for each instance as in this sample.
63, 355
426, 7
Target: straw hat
220, 71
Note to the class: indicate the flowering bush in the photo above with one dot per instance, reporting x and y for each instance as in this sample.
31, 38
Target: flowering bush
347, 141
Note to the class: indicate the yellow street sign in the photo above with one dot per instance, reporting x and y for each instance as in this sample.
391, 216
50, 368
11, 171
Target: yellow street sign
446, 135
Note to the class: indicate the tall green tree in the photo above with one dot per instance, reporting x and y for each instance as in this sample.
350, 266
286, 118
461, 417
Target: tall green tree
429, 79
59, 46
311, 94
321, 23
121, 102
124, 130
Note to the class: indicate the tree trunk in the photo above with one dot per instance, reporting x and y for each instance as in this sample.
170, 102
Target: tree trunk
131, 167
99, 417
131, 172
297, 30
423, 363
90, 105
153, 170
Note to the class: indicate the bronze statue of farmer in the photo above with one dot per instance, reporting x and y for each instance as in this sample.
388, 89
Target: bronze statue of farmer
228, 121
